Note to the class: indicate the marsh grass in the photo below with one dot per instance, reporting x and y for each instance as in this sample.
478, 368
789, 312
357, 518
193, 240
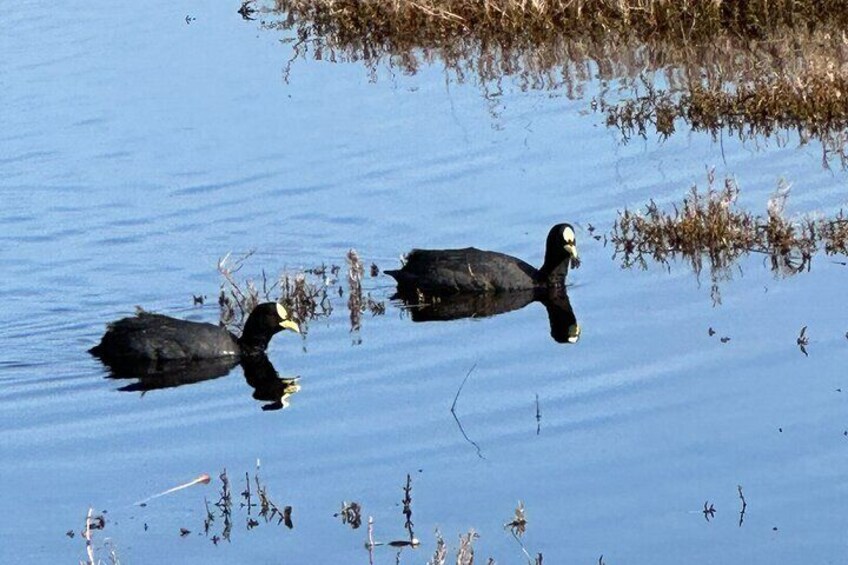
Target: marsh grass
708, 229
512, 21
255, 502
754, 67
306, 294
553, 44
813, 103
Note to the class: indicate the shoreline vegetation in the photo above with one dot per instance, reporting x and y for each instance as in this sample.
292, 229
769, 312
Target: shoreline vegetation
753, 67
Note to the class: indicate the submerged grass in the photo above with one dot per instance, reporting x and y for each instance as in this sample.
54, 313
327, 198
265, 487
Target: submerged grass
708, 229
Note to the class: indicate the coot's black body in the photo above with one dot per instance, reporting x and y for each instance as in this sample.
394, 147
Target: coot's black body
471, 270
147, 338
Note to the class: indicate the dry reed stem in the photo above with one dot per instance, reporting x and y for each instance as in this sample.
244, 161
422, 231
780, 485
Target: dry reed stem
440, 554
465, 553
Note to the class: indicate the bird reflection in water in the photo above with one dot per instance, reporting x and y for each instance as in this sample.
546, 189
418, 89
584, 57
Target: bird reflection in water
259, 372
563, 322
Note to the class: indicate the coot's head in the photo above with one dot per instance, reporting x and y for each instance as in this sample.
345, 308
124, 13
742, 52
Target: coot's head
264, 321
560, 251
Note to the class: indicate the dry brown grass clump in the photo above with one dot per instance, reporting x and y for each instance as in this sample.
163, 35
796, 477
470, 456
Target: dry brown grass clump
433, 21
708, 229
306, 294
814, 103
753, 66
548, 43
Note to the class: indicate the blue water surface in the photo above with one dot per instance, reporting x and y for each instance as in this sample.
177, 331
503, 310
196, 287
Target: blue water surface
137, 149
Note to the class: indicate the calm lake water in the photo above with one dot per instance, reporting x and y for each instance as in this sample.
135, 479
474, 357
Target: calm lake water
137, 149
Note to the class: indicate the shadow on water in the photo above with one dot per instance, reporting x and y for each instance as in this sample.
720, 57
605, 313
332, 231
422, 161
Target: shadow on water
259, 372
563, 322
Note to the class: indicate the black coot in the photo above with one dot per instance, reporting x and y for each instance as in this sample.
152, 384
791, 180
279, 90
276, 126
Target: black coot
454, 271
147, 337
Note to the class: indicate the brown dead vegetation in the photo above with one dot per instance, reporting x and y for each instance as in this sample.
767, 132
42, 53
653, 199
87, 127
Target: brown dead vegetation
306, 294
754, 66
708, 229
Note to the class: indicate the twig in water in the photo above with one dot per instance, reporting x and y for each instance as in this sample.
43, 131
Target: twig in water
225, 506
538, 416
210, 517
89, 549
407, 508
369, 545
517, 526
246, 495
803, 341
269, 510
744, 505
455, 417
